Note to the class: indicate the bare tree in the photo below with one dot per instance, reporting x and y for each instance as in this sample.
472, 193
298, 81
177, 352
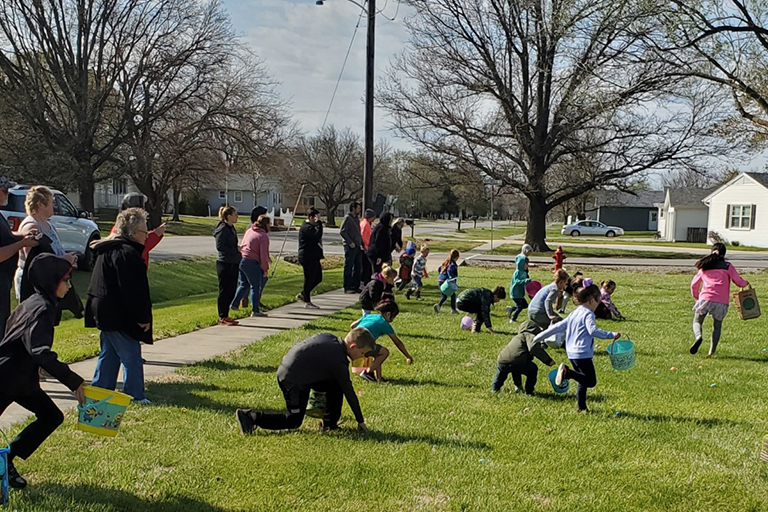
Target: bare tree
512, 89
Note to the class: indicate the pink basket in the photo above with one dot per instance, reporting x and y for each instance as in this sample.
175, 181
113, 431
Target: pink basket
533, 288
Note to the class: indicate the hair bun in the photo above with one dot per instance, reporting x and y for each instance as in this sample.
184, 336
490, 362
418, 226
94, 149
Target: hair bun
587, 282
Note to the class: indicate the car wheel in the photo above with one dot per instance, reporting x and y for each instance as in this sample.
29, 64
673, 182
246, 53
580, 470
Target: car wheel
575, 232
88, 259
610, 234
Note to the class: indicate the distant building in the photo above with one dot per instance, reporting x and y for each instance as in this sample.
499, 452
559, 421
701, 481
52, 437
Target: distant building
683, 216
243, 192
631, 212
733, 209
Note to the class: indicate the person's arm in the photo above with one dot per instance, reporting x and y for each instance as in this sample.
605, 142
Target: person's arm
341, 374
264, 253
735, 277
538, 351
485, 307
354, 324
154, 237
612, 307
7, 251
401, 347
38, 339
346, 233
595, 331
549, 303
696, 284
553, 329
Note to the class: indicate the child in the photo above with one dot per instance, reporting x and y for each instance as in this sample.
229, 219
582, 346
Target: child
517, 358
567, 292
379, 325
542, 307
377, 289
517, 285
711, 287
25, 349
478, 301
418, 273
406, 267
448, 270
319, 363
607, 310
580, 329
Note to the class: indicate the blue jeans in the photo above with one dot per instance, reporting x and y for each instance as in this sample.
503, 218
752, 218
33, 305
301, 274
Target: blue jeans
353, 267
116, 348
254, 279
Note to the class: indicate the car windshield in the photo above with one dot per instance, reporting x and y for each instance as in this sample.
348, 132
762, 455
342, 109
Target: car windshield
15, 203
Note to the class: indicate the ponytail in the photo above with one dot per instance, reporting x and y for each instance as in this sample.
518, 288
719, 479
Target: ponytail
712, 260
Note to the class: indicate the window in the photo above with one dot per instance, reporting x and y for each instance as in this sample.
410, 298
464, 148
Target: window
62, 206
118, 187
223, 195
740, 216
238, 196
654, 216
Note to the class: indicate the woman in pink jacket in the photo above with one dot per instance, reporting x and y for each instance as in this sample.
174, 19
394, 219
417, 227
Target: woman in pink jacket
255, 263
711, 287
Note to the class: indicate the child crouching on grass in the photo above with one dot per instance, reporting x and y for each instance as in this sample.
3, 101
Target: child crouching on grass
478, 301
580, 329
607, 310
378, 288
379, 325
517, 358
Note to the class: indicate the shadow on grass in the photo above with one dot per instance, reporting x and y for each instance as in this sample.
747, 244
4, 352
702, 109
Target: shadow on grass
189, 394
396, 437
570, 396
422, 382
218, 364
90, 497
743, 358
663, 418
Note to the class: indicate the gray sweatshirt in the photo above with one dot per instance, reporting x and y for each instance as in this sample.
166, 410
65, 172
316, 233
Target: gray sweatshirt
350, 231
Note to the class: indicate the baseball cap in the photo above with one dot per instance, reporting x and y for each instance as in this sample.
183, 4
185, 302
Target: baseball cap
6, 183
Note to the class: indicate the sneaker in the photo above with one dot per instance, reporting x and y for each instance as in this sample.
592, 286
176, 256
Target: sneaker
258, 314
228, 321
696, 345
408, 294
418, 298
328, 427
561, 374
310, 305
455, 312
510, 310
299, 297
436, 307
234, 307
15, 480
349, 292
245, 418
143, 401
367, 375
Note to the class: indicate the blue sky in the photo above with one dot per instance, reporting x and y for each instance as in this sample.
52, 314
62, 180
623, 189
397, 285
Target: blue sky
303, 46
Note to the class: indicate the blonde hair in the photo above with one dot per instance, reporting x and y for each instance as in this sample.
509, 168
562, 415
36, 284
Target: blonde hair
398, 221
387, 271
130, 221
560, 275
424, 248
263, 222
37, 196
226, 211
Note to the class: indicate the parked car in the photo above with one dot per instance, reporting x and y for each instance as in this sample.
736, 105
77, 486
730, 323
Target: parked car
76, 230
591, 228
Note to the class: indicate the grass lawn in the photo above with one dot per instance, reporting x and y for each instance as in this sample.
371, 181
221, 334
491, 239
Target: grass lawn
501, 230
650, 242
598, 252
184, 299
440, 246
656, 440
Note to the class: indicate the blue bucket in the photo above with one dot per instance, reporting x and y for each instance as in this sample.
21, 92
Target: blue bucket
4, 499
622, 353
449, 287
563, 388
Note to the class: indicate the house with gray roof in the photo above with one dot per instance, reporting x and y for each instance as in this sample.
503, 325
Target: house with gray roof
738, 210
683, 216
632, 212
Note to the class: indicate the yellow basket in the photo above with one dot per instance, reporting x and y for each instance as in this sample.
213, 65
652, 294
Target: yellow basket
362, 364
102, 411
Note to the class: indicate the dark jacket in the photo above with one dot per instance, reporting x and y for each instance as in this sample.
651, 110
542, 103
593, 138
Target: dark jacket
118, 296
226, 243
375, 290
311, 241
317, 359
27, 344
8, 267
522, 349
477, 298
380, 246
350, 231
397, 238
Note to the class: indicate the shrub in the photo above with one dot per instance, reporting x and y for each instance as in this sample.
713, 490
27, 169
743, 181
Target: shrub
194, 204
735, 243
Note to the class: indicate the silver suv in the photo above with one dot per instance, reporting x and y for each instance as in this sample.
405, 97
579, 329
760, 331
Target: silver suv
76, 230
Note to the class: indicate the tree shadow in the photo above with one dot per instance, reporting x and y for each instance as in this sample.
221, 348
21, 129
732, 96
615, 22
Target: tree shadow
218, 364
377, 436
570, 396
53, 496
662, 418
743, 358
188, 394
398, 381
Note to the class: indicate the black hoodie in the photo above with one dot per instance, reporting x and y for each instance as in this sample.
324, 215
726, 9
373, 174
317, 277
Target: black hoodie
380, 246
28, 339
226, 243
118, 295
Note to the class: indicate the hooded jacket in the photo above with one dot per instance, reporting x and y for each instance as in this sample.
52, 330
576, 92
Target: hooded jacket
522, 348
311, 241
118, 295
27, 344
375, 290
519, 279
256, 246
380, 247
481, 298
226, 243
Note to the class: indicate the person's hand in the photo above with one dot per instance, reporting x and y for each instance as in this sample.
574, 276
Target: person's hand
145, 326
160, 230
409, 360
616, 336
378, 261
71, 258
29, 241
79, 394
361, 427
351, 245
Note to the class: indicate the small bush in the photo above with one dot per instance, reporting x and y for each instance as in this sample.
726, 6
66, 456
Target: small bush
194, 204
735, 243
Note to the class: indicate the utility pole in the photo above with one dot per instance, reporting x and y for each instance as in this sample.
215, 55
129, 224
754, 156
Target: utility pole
369, 85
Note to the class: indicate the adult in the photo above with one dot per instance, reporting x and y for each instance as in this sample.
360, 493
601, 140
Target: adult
380, 248
353, 249
254, 264
119, 304
366, 227
310, 254
39, 206
154, 236
257, 212
228, 262
397, 234
319, 363
10, 245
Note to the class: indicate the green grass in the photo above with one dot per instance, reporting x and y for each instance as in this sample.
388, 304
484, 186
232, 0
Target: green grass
649, 243
441, 246
598, 252
184, 299
503, 229
439, 440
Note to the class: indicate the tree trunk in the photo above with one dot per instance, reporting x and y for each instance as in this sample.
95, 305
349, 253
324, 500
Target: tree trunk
87, 186
536, 232
330, 214
176, 200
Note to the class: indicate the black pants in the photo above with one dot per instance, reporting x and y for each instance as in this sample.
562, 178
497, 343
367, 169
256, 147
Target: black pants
6, 284
47, 419
520, 305
367, 269
296, 398
313, 276
529, 369
353, 267
583, 372
228, 274
602, 312
472, 308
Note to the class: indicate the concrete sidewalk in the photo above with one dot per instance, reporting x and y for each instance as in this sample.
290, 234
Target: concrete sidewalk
166, 355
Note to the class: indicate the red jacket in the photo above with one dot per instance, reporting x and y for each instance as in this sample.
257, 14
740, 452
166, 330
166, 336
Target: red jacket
152, 240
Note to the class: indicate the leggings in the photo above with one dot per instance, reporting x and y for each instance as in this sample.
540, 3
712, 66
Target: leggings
445, 297
717, 326
583, 372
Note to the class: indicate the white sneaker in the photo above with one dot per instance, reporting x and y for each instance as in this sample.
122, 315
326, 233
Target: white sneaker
310, 305
560, 377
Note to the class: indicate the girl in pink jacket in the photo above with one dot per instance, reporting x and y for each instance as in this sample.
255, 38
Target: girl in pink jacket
711, 287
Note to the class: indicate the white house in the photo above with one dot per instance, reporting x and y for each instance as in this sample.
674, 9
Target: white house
734, 207
244, 192
683, 216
